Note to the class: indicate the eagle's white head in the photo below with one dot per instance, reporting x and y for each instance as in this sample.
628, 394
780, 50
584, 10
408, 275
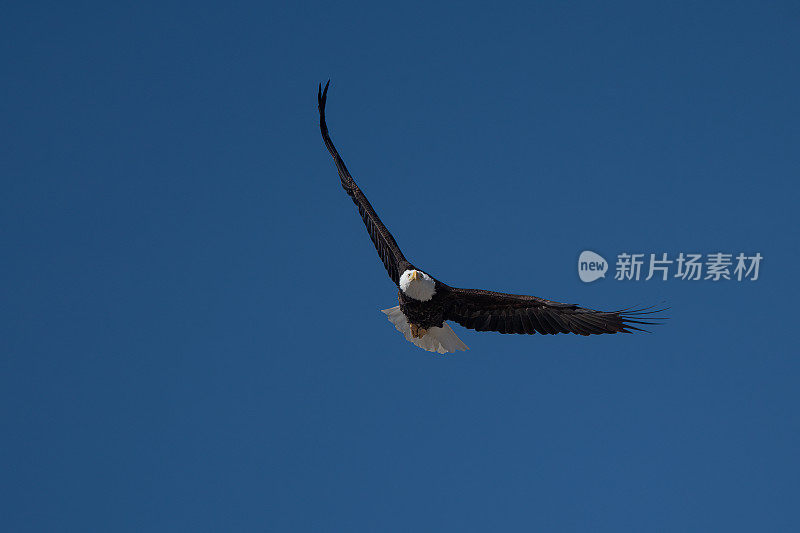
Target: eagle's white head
418, 285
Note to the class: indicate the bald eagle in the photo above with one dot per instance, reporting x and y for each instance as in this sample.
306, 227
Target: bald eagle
427, 303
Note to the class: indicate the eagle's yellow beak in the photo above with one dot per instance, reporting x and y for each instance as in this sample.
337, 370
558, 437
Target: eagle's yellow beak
414, 275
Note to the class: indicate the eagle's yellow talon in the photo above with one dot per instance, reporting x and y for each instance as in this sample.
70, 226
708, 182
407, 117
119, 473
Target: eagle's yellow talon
417, 332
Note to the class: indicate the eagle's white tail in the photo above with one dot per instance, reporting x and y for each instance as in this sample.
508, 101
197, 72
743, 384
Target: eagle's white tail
440, 340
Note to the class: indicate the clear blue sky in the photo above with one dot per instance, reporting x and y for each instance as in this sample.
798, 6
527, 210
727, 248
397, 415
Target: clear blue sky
190, 331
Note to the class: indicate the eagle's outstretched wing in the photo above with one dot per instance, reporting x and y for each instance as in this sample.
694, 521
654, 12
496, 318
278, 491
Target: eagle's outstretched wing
384, 243
512, 313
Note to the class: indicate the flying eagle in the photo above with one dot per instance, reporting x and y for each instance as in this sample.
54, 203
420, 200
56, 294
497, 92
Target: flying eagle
427, 303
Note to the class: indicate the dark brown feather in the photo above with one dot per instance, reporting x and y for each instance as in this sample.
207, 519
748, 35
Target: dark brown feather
388, 251
514, 313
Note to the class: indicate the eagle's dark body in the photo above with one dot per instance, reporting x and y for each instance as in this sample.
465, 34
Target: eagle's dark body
425, 315
476, 309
